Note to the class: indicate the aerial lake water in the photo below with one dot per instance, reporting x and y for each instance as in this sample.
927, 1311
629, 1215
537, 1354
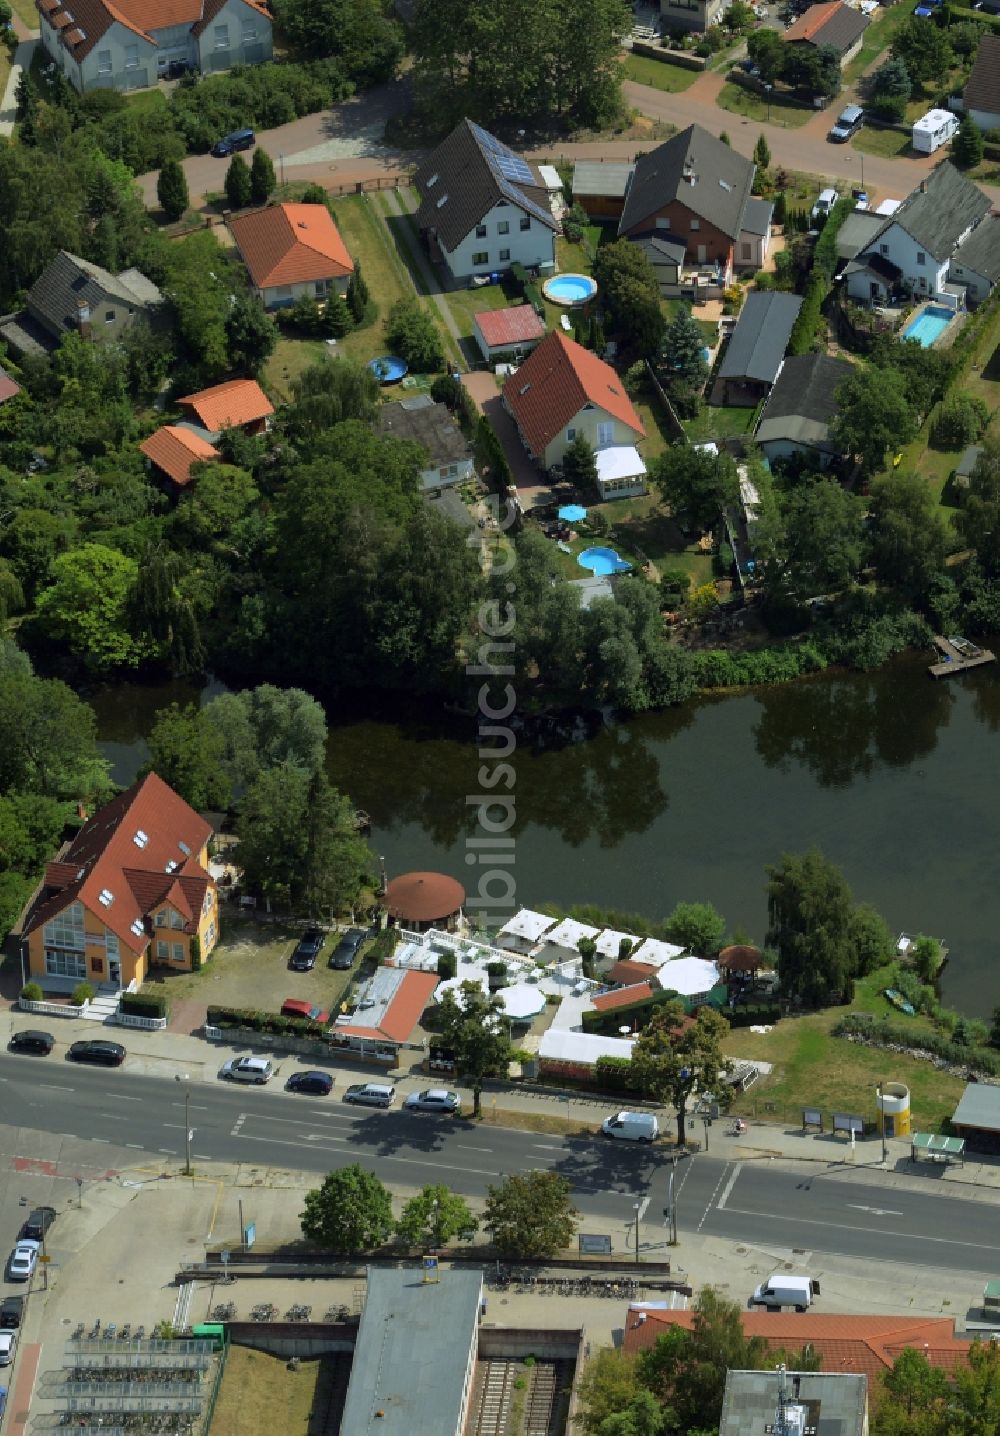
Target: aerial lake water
894, 777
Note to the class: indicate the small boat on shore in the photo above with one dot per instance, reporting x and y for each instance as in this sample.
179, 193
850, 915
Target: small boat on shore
899, 1001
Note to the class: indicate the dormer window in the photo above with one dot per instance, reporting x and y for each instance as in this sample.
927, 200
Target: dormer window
441, 201
432, 181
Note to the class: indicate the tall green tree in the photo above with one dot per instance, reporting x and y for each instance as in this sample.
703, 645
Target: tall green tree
48, 739
30, 828
923, 49
172, 190
251, 334
361, 35
263, 181
580, 465
268, 727
350, 1213
239, 190
978, 520
968, 145
631, 294
608, 1385
475, 1030
909, 534
696, 485
810, 910
186, 749
327, 393
682, 365
670, 1061
87, 606
411, 333
697, 926
434, 1217
762, 153
825, 542
531, 1215
873, 415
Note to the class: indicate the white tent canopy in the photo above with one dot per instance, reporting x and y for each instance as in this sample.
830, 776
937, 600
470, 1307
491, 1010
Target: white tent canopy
527, 924
655, 953
690, 976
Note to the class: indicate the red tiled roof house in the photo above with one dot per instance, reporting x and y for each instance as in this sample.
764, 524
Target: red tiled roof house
507, 333
235, 404
563, 390
130, 890
174, 450
129, 44
387, 1010
832, 23
292, 250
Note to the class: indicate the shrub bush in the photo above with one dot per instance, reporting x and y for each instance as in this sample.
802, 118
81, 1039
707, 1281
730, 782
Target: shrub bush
447, 965
144, 1004
753, 1013
83, 992
31, 992
271, 1022
938, 1044
961, 420
614, 1073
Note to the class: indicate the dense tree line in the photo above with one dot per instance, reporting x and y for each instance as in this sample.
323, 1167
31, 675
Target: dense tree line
508, 62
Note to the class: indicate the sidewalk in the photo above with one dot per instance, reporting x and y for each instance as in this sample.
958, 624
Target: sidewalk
171, 1052
22, 61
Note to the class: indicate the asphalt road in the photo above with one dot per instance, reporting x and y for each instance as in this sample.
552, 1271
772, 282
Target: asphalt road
781, 1206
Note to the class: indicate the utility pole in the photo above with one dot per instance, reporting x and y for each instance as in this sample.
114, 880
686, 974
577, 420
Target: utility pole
881, 1119
670, 1210
183, 1077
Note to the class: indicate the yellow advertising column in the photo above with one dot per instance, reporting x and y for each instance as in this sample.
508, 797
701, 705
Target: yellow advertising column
892, 1100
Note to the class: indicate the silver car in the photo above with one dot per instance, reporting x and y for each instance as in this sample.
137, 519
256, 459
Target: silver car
23, 1260
247, 1069
435, 1099
371, 1094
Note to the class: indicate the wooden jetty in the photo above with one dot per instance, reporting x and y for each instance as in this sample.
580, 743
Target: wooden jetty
958, 655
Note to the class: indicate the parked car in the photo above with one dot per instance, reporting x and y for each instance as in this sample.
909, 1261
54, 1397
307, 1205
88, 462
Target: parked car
370, 1094
8, 1341
346, 950
307, 949
317, 1084
11, 1312
298, 1007
828, 198
847, 123
23, 1260
435, 1099
257, 1070
229, 144
38, 1223
100, 1052
29, 1039
631, 1126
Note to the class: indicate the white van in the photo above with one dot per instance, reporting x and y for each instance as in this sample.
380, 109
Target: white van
781, 1290
632, 1126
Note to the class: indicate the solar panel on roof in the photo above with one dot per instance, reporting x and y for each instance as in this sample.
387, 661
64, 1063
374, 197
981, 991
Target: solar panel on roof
510, 165
517, 197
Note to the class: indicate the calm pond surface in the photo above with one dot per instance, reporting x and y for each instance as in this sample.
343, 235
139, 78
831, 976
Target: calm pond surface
893, 776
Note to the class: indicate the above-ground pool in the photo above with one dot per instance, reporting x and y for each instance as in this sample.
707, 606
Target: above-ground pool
928, 325
388, 368
569, 289
602, 561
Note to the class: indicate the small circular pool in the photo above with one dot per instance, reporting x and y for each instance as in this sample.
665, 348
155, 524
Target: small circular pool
388, 368
602, 561
569, 289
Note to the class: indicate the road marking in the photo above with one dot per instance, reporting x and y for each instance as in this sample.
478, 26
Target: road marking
642, 1209
49, 1087
729, 1186
323, 1137
874, 1231
875, 1211
137, 1145
178, 1126
711, 1199
169, 1151
194, 1105
541, 1147
466, 1148
119, 1098
442, 1166
299, 1122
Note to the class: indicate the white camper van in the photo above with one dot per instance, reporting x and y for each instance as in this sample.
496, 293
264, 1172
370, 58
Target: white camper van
933, 130
631, 1126
781, 1290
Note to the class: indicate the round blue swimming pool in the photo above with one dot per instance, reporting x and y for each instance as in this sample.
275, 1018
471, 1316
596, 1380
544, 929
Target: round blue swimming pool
388, 368
602, 561
569, 289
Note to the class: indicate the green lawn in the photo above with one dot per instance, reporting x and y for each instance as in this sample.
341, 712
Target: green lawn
464, 303
718, 423
151, 103
660, 74
26, 10
888, 143
640, 529
814, 1069
782, 110
878, 37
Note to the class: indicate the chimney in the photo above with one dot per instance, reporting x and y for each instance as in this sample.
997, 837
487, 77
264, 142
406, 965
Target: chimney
83, 317
923, 186
81, 812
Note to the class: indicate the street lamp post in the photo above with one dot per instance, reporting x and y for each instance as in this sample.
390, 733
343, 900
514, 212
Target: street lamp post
881, 1118
183, 1077
767, 91
637, 1208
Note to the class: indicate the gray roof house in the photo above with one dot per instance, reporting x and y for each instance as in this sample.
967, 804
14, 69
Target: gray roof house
483, 207
982, 90
665, 255
976, 262
795, 421
599, 186
977, 1117
917, 243
756, 350
857, 230
432, 427
73, 296
831, 1403
692, 189
415, 1354
830, 23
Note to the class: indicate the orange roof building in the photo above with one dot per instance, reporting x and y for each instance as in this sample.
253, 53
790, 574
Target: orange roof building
128, 44
562, 391
830, 23
132, 888
419, 900
236, 404
292, 250
175, 449
864, 1344
388, 1008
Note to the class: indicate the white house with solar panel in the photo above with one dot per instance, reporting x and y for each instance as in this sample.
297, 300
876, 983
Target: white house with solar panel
484, 208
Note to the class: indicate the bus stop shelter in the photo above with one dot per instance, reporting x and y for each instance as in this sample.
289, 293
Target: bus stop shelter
937, 1148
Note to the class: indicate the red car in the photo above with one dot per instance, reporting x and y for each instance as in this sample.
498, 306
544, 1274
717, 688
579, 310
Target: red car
297, 1007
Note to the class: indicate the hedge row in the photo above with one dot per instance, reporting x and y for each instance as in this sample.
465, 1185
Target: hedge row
264, 1022
938, 1045
753, 1013
139, 1004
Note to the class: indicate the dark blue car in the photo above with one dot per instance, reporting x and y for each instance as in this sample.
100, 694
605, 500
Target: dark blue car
238, 140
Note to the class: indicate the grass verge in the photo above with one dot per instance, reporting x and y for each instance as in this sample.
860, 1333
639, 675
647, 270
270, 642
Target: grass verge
888, 143
878, 37
781, 111
259, 1394
659, 74
718, 423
